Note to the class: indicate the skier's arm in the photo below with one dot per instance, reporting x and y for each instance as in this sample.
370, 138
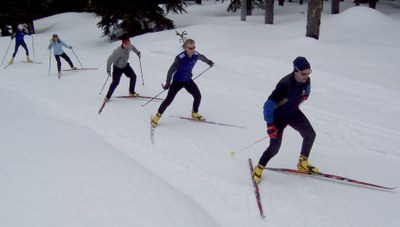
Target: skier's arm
113, 57
206, 60
269, 106
172, 70
134, 49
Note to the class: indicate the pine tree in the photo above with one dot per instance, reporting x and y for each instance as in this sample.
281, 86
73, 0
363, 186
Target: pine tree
135, 17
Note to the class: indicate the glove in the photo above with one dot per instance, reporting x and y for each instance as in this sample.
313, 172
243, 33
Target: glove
70, 47
272, 131
166, 87
139, 55
210, 63
109, 73
12, 37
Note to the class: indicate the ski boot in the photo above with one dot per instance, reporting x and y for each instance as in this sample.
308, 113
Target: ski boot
304, 166
11, 61
155, 120
134, 94
28, 59
257, 172
74, 68
196, 116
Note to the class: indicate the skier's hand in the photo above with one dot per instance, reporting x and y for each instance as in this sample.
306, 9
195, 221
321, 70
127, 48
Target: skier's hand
12, 37
109, 73
139, 55
272, 131
70, 47
210, 63
166, 86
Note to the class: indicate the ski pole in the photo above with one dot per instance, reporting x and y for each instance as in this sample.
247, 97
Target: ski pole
165, 90
202, 72
49, 61
6, 52
232, 153
154, 97
104, 85
77, 58
33, 48
141, 71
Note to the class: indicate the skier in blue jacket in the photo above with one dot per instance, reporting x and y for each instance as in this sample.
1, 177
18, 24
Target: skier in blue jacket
181, 72
282, 109
19, 41
56, 43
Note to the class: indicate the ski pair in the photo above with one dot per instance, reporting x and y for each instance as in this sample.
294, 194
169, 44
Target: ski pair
131, 97
329, 177
207, 122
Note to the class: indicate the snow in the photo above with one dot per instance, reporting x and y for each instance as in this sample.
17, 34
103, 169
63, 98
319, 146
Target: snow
62, 164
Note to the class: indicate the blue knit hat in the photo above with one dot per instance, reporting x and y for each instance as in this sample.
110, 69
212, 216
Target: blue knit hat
301, 63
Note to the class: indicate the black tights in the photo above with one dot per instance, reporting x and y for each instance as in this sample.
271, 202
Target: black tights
190, 87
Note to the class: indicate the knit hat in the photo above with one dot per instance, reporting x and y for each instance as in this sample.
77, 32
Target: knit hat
126, 41
55, 36
301, 63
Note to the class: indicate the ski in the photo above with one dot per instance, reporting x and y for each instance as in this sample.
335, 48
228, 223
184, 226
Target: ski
208, 122
256, 190
33, 62
102, 107
330, 177
151, 130
79, 69
140, 96
7, 66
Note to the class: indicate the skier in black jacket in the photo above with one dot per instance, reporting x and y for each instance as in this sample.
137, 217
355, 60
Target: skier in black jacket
282, 109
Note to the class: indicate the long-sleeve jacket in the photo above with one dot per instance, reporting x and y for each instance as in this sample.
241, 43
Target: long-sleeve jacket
286, 97
57, 47
120, 56
19, 36
181, 68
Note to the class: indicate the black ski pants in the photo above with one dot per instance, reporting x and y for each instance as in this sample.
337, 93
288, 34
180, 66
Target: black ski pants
117, 73
299, 122
66, 58
23, 44
190, 87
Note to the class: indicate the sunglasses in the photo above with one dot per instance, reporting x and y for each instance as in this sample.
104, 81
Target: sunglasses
191, 48
302, 73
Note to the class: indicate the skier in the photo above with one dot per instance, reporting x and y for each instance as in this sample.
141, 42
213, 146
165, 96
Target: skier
119, 59
282, 109
56, 43
19, 41
181, 71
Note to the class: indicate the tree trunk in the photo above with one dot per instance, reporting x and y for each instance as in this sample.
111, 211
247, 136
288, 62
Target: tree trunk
372, 4
243, 10
281, 2
335, 6
301, 2
357, 2
249, 7
269, 11
314, 18
198, 2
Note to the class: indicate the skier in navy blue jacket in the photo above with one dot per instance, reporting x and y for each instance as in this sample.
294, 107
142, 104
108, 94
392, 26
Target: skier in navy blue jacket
19, 41
181, 72
282, 109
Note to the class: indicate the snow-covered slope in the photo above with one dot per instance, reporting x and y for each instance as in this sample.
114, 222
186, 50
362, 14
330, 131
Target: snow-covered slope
62, 164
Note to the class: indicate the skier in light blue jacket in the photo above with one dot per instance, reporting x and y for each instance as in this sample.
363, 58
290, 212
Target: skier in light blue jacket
57, 45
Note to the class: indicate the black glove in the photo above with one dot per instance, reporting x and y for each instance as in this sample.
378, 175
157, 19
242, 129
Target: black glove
210, 63
70, 47
109, 74
166, 87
